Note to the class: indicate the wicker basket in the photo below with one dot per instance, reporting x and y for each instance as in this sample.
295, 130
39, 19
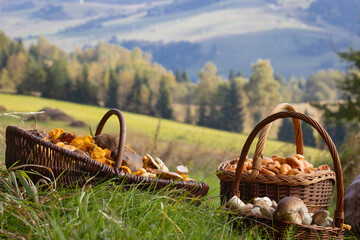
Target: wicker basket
278, 228
314, 189
50, 161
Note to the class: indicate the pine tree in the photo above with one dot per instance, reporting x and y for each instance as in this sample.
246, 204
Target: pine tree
286, 131
203, 118
232, 109
88, 91
308, 134
56, 78
231, 74
112, 96
178, 76
133, 101
163, 102
185, 76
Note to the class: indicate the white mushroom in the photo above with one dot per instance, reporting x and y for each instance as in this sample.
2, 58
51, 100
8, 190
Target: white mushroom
293, 217
288, 209
274, 204
320, 218
162, 165
303, 211
262, 202
149, 162
267, 211
328, 222
248, 207
182, 170
255, 211
307, 219
235, 203
168, 175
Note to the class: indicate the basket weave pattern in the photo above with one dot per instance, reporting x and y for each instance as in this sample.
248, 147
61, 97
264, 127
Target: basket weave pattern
52, 162
278, 228
314, 189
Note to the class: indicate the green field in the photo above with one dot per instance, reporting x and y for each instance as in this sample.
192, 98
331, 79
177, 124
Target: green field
139, 124
203, 149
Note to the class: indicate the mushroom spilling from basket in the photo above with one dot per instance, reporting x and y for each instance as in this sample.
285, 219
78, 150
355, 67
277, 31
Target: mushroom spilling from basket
103, 148
291, 209
290, 165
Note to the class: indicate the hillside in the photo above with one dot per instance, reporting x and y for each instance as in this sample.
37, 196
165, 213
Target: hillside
172, 136
184, 35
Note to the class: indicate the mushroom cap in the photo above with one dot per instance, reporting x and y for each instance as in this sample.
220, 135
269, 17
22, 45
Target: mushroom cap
248, 207
162, 165
320, 216
235, 203
255, 211
274, 204
181, 169
288, 205
169, 175
149, 162
262, 202
267, 211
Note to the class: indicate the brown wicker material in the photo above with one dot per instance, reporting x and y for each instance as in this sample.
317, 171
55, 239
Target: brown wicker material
314, 189
278, 228
69, 168
284, 229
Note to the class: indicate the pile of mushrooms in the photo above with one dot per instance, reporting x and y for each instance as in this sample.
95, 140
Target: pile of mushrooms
276, 165
156, 168
290, 209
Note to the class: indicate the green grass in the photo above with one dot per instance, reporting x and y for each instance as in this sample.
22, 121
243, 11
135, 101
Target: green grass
106, 211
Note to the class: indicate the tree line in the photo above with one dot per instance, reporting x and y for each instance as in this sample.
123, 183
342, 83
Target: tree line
112, 76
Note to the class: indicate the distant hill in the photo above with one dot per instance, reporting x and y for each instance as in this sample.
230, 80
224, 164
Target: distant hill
299, 37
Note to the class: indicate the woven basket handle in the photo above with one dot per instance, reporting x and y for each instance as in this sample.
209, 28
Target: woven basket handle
258, 156
339, 211
122, 134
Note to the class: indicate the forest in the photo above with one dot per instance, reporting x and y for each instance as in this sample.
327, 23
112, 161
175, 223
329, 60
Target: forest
113, 76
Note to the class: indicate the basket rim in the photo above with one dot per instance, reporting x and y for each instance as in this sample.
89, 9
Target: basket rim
101, 167
302, 179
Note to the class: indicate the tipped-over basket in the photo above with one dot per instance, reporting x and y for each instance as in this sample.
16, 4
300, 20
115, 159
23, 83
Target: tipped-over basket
277, 229
314, 189
29, 152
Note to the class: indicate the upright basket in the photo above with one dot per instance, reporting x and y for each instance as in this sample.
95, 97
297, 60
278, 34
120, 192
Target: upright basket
278, 228
314, 189
29, 152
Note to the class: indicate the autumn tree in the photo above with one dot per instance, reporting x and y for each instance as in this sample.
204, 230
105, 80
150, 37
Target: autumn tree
16, 67
322, 86
206, 90
262, 90
34, 78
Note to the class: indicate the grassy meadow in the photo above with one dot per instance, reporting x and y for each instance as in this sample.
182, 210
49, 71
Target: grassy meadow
106, 211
